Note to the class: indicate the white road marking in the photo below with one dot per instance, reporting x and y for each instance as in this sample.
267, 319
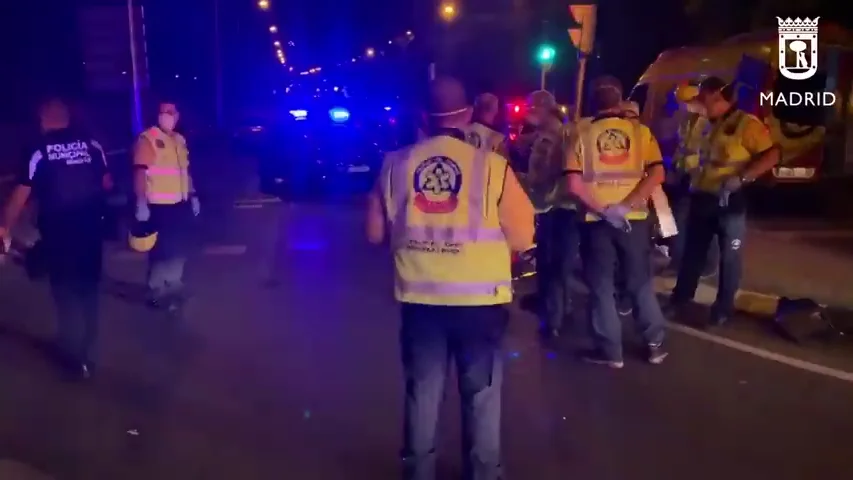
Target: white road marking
765, 354
244, 206
259, 200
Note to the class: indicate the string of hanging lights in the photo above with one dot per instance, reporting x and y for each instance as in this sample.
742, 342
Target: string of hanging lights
370, 53
278, 47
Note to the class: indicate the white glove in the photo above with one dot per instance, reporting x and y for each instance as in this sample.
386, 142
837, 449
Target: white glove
730, 185
143, 214
196, 205
616, 215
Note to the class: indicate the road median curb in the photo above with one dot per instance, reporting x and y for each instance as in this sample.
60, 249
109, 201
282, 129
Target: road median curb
747, 301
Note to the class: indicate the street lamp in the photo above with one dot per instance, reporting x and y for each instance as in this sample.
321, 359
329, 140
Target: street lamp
276, 44
448, 11
370, 53
273, 29
264, 4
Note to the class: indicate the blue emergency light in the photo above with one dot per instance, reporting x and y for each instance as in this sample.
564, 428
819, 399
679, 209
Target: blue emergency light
339, 115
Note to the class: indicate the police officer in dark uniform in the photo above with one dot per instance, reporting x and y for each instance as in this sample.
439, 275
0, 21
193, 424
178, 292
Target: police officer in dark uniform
66, 172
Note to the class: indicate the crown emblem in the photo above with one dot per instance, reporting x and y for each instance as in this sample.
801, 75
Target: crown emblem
797, 26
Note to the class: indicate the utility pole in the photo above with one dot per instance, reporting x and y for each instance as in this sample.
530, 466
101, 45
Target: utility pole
136, 103
217, 46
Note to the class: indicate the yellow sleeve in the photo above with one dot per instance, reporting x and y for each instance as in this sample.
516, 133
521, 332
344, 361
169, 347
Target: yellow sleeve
143, 153
756, 136
650, 150
516, 213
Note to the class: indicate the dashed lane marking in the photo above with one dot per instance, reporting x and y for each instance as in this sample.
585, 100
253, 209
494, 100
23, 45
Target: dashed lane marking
257, 201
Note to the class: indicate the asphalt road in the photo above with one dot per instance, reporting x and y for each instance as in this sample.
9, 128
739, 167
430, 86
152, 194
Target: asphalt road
299, 378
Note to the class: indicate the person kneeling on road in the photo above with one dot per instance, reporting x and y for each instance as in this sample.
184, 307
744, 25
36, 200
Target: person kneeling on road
613, 168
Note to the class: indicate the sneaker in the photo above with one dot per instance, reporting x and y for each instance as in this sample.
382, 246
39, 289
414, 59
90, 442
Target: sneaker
624, 310
657, 354
599, 358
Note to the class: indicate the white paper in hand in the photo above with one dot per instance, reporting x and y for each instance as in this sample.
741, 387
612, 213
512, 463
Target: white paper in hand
666, 220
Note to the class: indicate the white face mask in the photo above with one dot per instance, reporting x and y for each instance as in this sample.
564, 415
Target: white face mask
693, 107
167, 121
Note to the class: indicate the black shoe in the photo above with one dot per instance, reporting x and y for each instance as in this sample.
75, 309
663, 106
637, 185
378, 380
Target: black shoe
673, 308
656, 354
708, 273
598, 357
717, 319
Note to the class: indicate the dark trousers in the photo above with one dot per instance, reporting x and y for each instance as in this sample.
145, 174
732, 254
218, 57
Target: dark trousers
707, 219
557, 244
605, 249
77, 306
679, 201
73, 259
431, 338
174, 224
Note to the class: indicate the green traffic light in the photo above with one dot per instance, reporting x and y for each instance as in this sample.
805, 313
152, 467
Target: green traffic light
547, 54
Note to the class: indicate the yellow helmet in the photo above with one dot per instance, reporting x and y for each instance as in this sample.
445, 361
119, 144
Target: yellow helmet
686, 93
142, 237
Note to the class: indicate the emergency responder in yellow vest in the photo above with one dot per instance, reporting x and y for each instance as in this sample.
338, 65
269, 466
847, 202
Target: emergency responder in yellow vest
544, 141
612, 170
693, 129
484, 131
166, 197
452, 214
739, 149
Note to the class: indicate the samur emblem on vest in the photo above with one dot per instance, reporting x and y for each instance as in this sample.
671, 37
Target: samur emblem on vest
437, 183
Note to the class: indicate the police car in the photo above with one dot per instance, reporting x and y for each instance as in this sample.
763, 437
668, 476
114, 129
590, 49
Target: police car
326, 145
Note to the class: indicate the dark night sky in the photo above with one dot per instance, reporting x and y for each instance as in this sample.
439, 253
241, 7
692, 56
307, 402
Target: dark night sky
39, 47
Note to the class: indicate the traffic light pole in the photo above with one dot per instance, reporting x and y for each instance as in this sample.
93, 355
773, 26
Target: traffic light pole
579, 81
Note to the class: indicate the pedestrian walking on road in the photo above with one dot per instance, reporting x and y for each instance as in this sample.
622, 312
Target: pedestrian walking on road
739, 149
165, 197
557, 241
613, 168
453, 214
67, 174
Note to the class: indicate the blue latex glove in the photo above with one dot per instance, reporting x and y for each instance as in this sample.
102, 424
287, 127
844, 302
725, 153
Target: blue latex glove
616, 215
196, 205
730, 185
143, 213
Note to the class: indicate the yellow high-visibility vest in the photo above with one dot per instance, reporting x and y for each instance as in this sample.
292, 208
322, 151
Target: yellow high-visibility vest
441, 196
168, 177
723, 154
691, 134
481, 136
611, 157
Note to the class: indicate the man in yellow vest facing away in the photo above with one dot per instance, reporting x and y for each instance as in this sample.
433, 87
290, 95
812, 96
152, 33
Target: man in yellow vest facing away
166, 197
452, 214
739, 149
613, 169
483, 132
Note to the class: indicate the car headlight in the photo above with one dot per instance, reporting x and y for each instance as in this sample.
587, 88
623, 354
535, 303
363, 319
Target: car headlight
299, 114
339, 115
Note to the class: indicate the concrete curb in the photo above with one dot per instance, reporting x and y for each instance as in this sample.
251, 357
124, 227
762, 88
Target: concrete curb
747, 301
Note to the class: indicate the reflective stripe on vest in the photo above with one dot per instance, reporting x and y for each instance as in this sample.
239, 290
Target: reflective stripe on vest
168, 180
427, 256
631, 170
